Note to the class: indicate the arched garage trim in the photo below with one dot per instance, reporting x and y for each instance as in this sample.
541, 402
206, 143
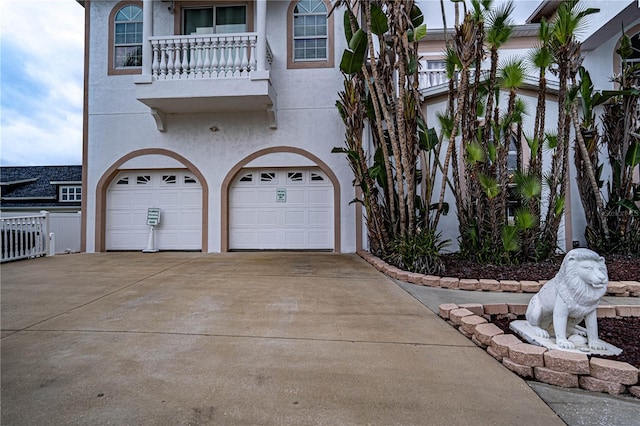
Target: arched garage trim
107, 177
233, 173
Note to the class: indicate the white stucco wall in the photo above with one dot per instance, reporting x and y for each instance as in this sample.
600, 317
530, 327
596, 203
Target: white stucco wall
306, 118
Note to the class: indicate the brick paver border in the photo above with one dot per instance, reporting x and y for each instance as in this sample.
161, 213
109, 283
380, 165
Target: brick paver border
615, 288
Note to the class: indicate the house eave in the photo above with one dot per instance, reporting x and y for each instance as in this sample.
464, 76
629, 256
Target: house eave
27, 198
65, 182
529, 83
18, 182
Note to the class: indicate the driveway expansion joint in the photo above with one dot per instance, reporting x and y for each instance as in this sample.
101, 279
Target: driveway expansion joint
247, 336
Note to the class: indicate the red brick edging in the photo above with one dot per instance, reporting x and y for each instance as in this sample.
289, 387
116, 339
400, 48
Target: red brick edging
555, 367
615, 288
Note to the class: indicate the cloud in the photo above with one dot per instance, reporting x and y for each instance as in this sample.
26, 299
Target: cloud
42, 76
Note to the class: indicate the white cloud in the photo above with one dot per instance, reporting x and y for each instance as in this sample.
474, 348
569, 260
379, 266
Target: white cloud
42, 84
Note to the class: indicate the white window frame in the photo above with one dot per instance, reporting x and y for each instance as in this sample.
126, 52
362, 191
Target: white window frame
117, 45
213, 29
305, 37
72, 193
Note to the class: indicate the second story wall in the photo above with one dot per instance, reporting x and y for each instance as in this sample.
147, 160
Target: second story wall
114, 91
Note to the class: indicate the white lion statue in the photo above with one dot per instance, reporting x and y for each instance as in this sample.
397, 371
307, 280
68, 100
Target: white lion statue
570, 297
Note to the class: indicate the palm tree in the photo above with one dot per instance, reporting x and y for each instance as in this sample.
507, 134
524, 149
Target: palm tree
381, 88
566, 52
542, 58
498, 32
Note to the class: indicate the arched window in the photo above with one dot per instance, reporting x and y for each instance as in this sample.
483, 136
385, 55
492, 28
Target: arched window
125, 39
310, 34
635, 45
634, 59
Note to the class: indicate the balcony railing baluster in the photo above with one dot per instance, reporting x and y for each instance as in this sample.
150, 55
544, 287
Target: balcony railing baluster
203, 56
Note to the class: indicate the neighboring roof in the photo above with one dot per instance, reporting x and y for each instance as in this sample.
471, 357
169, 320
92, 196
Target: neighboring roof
601, 30
525, 30
545, 9
36, 186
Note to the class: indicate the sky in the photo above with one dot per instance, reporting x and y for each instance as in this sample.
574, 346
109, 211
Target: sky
41, 79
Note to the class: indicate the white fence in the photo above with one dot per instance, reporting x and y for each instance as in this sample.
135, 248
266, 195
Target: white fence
24, 237
66, 228
39, 234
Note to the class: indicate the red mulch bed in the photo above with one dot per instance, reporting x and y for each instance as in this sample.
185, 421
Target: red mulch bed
620, 268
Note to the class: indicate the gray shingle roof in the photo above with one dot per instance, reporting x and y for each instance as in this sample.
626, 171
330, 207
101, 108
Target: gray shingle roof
33, 184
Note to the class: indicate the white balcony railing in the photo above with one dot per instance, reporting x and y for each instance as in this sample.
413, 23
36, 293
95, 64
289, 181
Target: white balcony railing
24, 237
204, 56
432, 77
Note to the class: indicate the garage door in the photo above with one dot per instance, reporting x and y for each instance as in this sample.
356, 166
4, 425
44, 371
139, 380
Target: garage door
281, 209
177, 194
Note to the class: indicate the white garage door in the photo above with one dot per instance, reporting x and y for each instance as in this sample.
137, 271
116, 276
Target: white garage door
281, 209
177, 194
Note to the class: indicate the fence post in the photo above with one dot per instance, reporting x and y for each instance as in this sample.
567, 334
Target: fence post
51, 248
48, 249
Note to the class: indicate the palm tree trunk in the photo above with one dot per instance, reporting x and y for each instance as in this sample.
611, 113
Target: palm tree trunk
379, 89
588, 168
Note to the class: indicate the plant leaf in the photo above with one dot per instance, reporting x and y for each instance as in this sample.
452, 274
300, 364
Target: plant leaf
510, 239
524, 218
475, 153
632, 158
417, 18
490, 186
559, 206
348, 34
353, 59
379, 23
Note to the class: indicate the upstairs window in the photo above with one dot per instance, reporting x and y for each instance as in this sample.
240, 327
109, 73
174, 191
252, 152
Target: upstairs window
70, 193
634, 59
310, 30
214, 19
125, 37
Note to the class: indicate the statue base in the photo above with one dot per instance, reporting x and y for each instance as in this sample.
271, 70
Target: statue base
523, 329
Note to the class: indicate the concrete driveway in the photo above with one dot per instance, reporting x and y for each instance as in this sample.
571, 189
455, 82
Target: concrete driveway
238, 338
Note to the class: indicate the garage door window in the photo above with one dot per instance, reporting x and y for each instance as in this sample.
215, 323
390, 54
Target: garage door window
268, 177
169, 179
247, 178
143, 180
294, 176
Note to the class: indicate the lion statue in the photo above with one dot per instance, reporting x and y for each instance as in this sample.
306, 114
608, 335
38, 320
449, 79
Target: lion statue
569, 298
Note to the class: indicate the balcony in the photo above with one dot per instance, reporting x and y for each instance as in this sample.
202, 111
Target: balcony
207, 73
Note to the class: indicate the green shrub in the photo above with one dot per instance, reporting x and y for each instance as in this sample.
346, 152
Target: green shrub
419, 253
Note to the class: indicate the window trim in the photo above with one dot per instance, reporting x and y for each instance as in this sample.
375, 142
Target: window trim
111, 69
181, 5
318, 63
76, 197
617, 65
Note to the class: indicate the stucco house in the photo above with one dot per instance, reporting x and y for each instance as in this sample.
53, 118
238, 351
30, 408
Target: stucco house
222, 115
